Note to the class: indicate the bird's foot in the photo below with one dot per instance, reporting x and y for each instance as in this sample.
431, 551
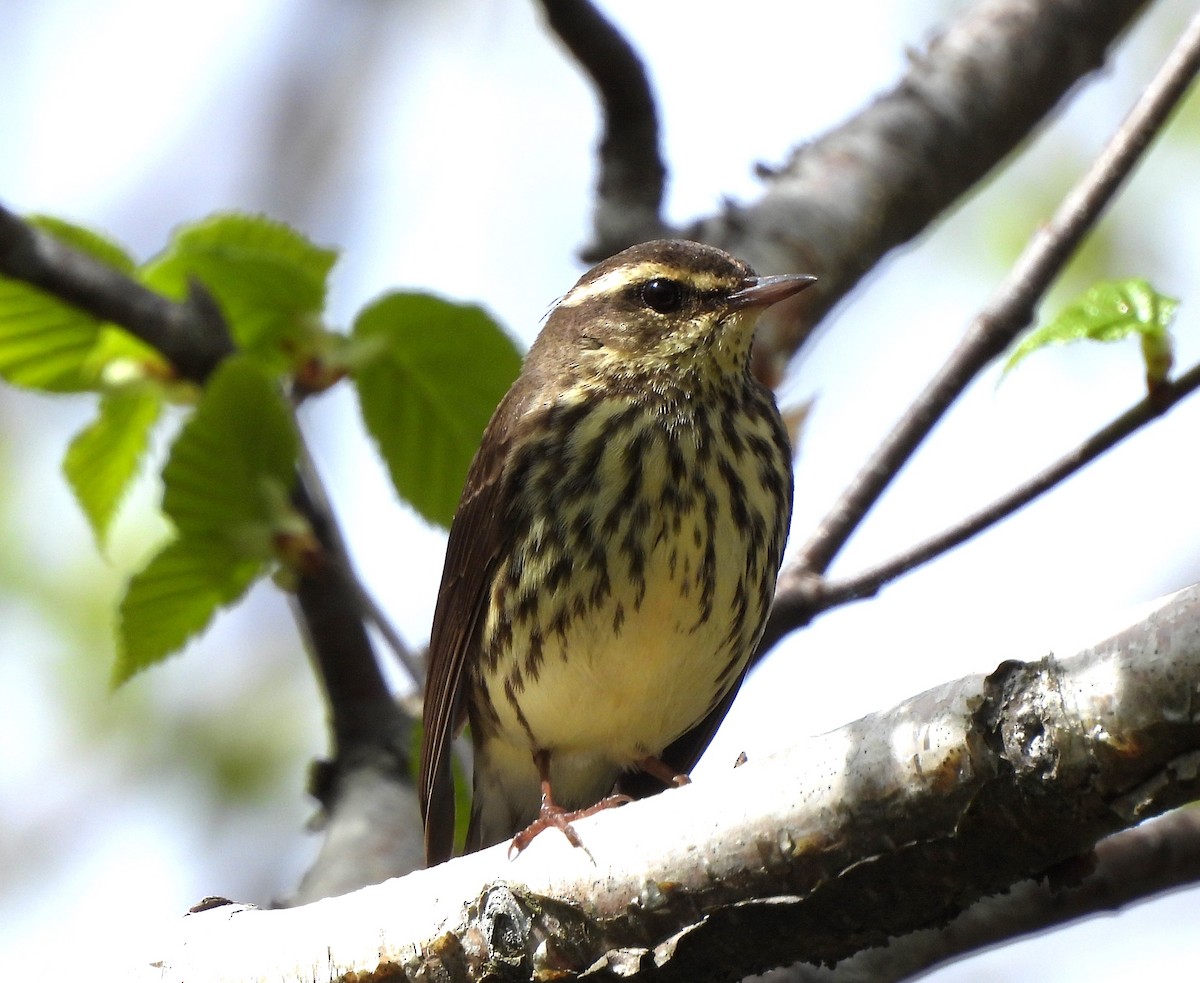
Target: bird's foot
552, 816
659, 769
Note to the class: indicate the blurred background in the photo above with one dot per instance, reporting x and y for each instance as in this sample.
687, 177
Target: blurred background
448, 147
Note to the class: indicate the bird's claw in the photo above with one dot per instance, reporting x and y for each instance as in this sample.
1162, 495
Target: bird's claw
552, 816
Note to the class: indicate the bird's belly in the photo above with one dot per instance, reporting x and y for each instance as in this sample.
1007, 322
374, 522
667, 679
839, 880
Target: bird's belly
624, 696
627, 676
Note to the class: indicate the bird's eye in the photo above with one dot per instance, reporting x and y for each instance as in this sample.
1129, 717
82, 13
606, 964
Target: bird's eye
662, 295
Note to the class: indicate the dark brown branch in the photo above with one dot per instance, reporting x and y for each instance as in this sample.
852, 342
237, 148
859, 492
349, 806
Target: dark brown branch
1132, 866
1009, 311
632, 174
365, 603
191, 335
842, 202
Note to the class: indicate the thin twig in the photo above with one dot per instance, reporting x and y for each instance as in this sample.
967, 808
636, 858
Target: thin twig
1010, 309
632, 173
869, 581
367, 604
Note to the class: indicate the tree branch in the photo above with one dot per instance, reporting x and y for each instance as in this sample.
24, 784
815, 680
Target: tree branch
993, 329
629, 190
840, 203
1156, 857
820, 595
894, 823
1131, 866
192, 335
365, 603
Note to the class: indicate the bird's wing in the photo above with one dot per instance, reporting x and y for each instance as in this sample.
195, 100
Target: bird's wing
472, 552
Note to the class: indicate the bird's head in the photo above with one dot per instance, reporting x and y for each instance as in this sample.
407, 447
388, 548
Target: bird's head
663, 308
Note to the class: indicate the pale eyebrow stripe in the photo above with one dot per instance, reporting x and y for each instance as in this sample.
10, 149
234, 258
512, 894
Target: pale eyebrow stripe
617, 280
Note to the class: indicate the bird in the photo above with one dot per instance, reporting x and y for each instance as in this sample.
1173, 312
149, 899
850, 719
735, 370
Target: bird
612, 560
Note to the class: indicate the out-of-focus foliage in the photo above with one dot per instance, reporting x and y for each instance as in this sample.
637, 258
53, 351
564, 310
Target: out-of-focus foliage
428, 372
1111, 311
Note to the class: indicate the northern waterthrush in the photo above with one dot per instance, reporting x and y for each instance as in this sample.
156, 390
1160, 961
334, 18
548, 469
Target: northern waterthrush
614, 554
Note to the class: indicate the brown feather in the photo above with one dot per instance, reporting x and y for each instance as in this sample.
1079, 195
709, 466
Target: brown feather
476, 542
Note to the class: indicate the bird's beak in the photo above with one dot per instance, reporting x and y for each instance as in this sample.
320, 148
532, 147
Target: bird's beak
763, 291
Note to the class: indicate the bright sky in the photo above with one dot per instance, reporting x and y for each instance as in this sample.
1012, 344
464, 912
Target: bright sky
466, 171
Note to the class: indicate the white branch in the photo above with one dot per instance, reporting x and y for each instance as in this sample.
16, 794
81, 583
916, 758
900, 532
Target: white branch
893, 823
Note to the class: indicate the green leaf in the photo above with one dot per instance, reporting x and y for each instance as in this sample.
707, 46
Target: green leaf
226, 488
45, 343
429, 377
233, 465
1110, 311
175, 597
105, 456
267, 278
85, 240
